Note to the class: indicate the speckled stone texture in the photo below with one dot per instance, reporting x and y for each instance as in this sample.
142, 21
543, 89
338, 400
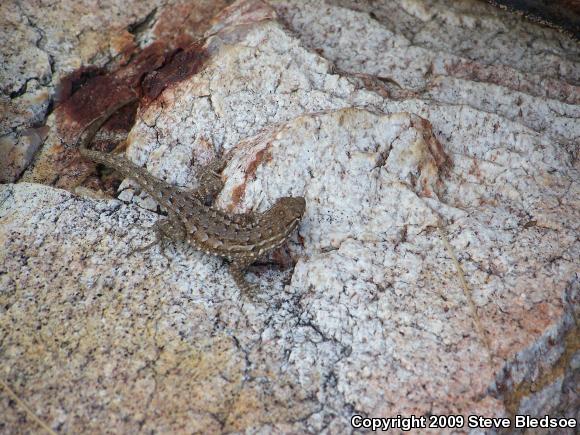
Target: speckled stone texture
435, 270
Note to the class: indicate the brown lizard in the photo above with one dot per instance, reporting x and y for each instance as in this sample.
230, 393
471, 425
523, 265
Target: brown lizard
240, 238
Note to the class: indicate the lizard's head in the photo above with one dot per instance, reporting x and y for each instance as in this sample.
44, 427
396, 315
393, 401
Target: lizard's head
279, 221
287, 211
290, 208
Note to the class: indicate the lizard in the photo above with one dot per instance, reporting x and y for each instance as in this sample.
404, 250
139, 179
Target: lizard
239, 238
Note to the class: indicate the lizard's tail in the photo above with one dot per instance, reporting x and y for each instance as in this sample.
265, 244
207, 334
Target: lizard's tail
123, 166
154, 187
158, 189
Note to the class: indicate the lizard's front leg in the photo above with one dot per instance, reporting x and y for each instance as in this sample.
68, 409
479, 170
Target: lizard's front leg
209, 180
237, 269
169, 228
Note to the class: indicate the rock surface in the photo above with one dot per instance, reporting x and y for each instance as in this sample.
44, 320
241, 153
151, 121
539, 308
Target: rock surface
436, 267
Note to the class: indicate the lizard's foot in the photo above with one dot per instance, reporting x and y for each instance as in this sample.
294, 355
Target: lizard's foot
159, 240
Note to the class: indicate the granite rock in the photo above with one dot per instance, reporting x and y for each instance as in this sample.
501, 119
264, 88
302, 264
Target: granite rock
435, 270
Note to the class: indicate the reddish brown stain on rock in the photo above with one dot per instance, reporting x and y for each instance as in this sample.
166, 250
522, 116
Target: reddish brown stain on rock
71, 83
263, 155
92, 99
124, 44
441, 158
191, 18
123, 119
513, 79
238, 192
237, 195
149, 59
183, 64
87, 93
